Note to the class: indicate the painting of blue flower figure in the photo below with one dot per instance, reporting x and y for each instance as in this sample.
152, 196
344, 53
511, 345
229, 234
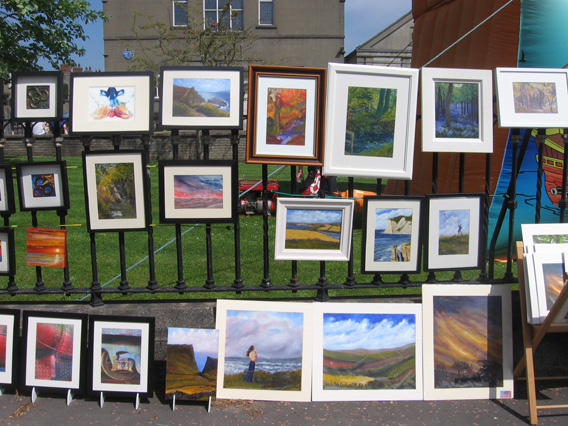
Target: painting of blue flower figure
457, 110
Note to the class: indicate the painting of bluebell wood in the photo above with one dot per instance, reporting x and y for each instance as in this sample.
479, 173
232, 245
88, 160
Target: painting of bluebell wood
457, 110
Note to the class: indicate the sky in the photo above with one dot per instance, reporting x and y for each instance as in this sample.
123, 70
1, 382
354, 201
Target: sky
363, 20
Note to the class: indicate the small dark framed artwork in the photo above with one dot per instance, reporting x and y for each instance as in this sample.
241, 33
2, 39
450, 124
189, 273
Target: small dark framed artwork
198, 191
122, 354
7, 252
454, 238
54, 350
9, 344
43, 186
37, 96
7, 204
201, 97
115, 191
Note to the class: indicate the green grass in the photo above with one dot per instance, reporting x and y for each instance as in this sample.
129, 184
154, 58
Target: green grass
194, 251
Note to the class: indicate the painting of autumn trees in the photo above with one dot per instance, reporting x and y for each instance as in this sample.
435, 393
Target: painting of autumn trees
370, 121
286, 116
457, 110
535, 98
115, 191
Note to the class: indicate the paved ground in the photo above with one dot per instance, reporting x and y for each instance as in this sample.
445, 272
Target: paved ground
52, 410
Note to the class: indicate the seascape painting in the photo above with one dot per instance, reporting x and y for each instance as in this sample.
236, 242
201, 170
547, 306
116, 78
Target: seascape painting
115, 190
475, 325
198, 191
393, 235
457, 110
120, 356
111, 103
46, 247
263, 350
201, 97
191, 363
286, 116
311, 229
454, 232
37, 97
371, 114
369, 351
43, 185
535, 98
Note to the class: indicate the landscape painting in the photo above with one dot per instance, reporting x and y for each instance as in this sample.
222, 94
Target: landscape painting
111, 103
371, 114
37, 97
201, 97
115, 190
46, 247
312, 229
457, 110
198, 191
553, 274
264, 350
475, 325
454, 232
286, 116
393, 235
367, 352
191, 363
535, 98
120, 356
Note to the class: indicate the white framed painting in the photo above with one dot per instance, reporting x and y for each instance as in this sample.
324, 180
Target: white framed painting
544, 237
370, 121
265, 350
457, 110
367, 352
477, 320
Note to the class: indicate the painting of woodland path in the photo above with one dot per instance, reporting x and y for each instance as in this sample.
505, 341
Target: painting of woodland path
468, 344
371, 114
286, 116
369, 351
457, 110
115, 190
539, 98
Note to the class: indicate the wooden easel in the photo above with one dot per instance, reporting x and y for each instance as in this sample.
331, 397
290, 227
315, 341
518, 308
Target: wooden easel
533, 335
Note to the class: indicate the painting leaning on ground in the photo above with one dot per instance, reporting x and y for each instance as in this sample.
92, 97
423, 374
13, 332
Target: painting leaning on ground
457, 110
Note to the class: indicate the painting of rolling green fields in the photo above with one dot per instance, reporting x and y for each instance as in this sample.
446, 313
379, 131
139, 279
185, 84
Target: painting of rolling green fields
311, 229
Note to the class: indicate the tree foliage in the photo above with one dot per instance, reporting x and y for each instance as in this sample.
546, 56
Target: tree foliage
209, 44
34, 29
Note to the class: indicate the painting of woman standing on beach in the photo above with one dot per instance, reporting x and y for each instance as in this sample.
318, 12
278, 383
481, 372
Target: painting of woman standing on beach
264, 350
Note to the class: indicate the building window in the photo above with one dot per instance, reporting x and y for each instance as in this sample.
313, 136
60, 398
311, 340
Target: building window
180, 17
265, 12
227, 13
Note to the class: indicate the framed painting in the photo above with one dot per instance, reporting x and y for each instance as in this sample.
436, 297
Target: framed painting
116, 191
7, 252
46, 247
7, 204
43, 185
477, 319
367, 352
9, 344
285, 115
265, 350
191, 363
122, 354
118, 103
453, 239
539, 237
371, 120
457, 110
532, 97
37, 96
54, 345
201, 97
547, 282
391, 234
198, 191
313, 229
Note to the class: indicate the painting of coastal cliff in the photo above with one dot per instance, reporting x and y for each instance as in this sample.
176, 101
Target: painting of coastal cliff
391, 237
371, 352
201, 97
191, 363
